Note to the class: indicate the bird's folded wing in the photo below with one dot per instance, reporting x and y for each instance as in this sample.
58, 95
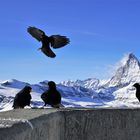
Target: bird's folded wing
58, 41
35, 32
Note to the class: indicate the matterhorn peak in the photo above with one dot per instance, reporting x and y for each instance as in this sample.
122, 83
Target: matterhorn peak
129, 59
128, 71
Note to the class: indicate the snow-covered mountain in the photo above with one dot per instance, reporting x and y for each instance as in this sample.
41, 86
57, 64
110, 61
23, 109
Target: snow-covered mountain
118, 91
88, 83
128, 72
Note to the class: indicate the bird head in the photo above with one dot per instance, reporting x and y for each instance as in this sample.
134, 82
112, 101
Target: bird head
52, 84
136, 85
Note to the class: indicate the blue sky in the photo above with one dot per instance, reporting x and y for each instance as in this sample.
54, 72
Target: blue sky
101, 32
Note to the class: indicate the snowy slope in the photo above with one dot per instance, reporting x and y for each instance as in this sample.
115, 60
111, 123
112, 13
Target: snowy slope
114, 92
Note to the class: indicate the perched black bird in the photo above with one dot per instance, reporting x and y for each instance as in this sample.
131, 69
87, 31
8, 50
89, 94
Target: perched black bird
137, 86
22, 98
55, 41
52, 96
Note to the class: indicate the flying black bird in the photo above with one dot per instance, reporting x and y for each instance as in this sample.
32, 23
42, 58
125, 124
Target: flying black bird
55, 41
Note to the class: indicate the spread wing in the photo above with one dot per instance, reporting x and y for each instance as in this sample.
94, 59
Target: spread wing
35, 32
58, 41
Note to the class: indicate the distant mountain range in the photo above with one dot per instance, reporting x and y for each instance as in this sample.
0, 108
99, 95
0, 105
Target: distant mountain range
118, 91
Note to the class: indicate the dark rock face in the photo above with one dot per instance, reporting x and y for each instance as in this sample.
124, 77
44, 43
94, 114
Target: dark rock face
70, 124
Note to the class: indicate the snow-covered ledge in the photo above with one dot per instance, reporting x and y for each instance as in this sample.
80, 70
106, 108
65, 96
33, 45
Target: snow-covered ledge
70, 124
